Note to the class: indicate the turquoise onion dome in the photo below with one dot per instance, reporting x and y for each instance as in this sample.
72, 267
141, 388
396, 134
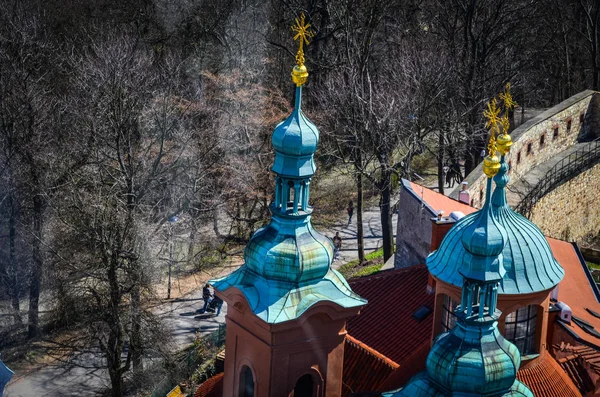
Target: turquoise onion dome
473, 359
419, 386
528, 260
287, 265
483, 241
289, 251
295, 141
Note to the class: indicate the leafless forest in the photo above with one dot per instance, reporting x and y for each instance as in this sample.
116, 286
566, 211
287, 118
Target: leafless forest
116, 116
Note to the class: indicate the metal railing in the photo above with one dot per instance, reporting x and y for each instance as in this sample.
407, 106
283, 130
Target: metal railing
566, 169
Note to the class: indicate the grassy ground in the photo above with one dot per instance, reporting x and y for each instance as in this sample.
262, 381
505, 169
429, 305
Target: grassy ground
374, 263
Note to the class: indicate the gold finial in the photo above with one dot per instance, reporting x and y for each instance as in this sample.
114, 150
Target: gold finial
491, 114
300, 73
506, 97
491, 162
504, 140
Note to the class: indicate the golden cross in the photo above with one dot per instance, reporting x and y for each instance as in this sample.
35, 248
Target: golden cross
506, 97
491, 114
505, 122
302, 35
492, 145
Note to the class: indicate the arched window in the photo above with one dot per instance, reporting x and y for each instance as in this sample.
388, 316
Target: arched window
519, 328
304, 387
448, 316
246, 382
291, 194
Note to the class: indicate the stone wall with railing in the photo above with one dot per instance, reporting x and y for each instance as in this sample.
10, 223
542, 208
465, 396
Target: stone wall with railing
571, 211
543, 137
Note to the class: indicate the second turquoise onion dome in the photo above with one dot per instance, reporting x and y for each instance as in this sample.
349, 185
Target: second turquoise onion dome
528, 260
483, 241
474, 359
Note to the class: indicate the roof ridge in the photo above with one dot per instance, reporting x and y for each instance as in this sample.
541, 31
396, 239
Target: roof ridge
385, 273
372, 351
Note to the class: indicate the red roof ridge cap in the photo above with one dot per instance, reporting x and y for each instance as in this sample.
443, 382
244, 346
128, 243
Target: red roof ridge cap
372, 351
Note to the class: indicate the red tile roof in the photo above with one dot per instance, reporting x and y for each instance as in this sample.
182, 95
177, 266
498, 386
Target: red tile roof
545, 378
575, 290
439, 202
589, 354
412, 366
213, 387
359, 357
386, 323
575, 366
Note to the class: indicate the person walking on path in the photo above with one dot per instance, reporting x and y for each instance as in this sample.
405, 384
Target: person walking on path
206, 296
350, 211
218, 302
337, 244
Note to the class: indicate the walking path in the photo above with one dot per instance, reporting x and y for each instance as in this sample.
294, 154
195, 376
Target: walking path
85, 374
372, 235
520, 186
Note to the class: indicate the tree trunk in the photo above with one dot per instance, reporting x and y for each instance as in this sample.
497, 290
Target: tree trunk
136, 325
386, 214
360, 234
440, 162
116, 383
12, 266
38, 264
594, 53
470, 163
114, 347
191, 242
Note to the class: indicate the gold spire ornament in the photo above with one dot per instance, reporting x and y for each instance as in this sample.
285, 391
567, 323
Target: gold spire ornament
506, 97
504, 140
491, 162
491, 114
300, 73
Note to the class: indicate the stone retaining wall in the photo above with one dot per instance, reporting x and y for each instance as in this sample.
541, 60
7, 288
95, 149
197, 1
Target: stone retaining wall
561, 126
571, 211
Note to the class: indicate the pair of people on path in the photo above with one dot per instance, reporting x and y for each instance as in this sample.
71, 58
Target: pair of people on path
215, 302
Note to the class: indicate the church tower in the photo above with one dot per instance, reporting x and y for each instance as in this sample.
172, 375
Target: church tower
287, 308
474, 359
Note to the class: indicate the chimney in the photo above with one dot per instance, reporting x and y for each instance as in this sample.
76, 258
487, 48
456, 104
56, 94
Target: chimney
553, 313
464, 196
565, 312
439, 227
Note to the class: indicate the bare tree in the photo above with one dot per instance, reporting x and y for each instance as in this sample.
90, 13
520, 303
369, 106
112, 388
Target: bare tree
144, 134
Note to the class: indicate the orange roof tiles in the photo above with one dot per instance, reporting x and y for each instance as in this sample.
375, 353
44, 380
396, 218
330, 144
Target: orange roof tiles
575, 290
412, 365
589, 354
545, 378
574, 365
386, 323
213, 387
357, 358
439, 202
